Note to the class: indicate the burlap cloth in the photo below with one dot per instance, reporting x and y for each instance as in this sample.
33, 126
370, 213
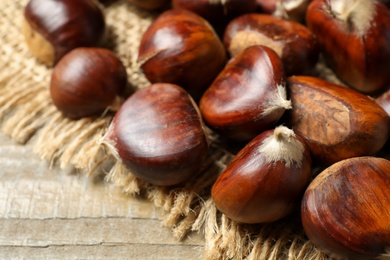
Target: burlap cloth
27, 115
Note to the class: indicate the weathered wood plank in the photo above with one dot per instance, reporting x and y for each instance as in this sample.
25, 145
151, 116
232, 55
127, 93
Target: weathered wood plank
133, 252
56, 214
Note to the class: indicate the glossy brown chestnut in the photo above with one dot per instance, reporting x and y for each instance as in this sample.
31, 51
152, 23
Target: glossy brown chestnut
266, 179
217, 12
248, 96
52, 28
294, 10
181, 48
150, 5
158, 135
354, 37
336, 122
88, 81
294, 43
346, 209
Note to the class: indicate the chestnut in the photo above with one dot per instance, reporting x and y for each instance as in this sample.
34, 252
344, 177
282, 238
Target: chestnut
248, 96
354, 37
158, 135
295, 44
217, 12
181, 48
336, 122
266, 179
294, 10
346, 209
52, 28
88, 81
150, 5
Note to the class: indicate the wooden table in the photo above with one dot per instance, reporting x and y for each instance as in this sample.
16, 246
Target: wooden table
59, 214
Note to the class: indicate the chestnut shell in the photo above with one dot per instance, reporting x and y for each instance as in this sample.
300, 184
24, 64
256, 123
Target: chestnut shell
361, 61
66, 24
158, 135
181, 48
296, 45
255, 189
346, 209
86, 81
336, 122
247, 96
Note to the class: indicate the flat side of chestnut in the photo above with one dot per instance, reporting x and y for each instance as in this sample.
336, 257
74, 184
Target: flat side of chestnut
336, 122
158, 135
295, 44
181, 48
66, 24
248, 96
87, 81
346, 209
356, 47
265, 179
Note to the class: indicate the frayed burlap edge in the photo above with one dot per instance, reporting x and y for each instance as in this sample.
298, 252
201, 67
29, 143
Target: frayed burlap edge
27, 115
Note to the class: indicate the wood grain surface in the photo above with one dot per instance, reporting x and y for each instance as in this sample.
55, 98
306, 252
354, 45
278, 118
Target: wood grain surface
48, 213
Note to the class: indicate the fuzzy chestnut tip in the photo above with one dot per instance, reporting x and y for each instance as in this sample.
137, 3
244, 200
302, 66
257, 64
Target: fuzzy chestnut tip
283, 146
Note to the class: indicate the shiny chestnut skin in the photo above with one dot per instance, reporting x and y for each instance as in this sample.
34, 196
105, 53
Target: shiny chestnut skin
217, 12
158, 135
150, 5
294, 43
87, 81
346, 209
266, 179
52, 28
181, 48
355, 41
248, 96
336, 122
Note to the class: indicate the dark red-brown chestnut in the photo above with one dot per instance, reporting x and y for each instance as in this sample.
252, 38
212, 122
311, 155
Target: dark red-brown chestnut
354, 37
248, 96
336, 122
346, 209
150, 5
181, 48
266, 179
88, 81
158, 135
294, 43
217, 12
294, 10
52, 28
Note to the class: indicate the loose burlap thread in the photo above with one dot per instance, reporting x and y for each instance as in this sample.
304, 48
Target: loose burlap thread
28, 115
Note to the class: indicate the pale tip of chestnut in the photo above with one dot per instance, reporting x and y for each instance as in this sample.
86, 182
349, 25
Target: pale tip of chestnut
38, 45
116, 104
357, 13
278, 102
283, 146
245, 38
291, 9
108, 140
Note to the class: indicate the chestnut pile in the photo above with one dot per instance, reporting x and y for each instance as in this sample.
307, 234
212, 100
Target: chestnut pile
246, 71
